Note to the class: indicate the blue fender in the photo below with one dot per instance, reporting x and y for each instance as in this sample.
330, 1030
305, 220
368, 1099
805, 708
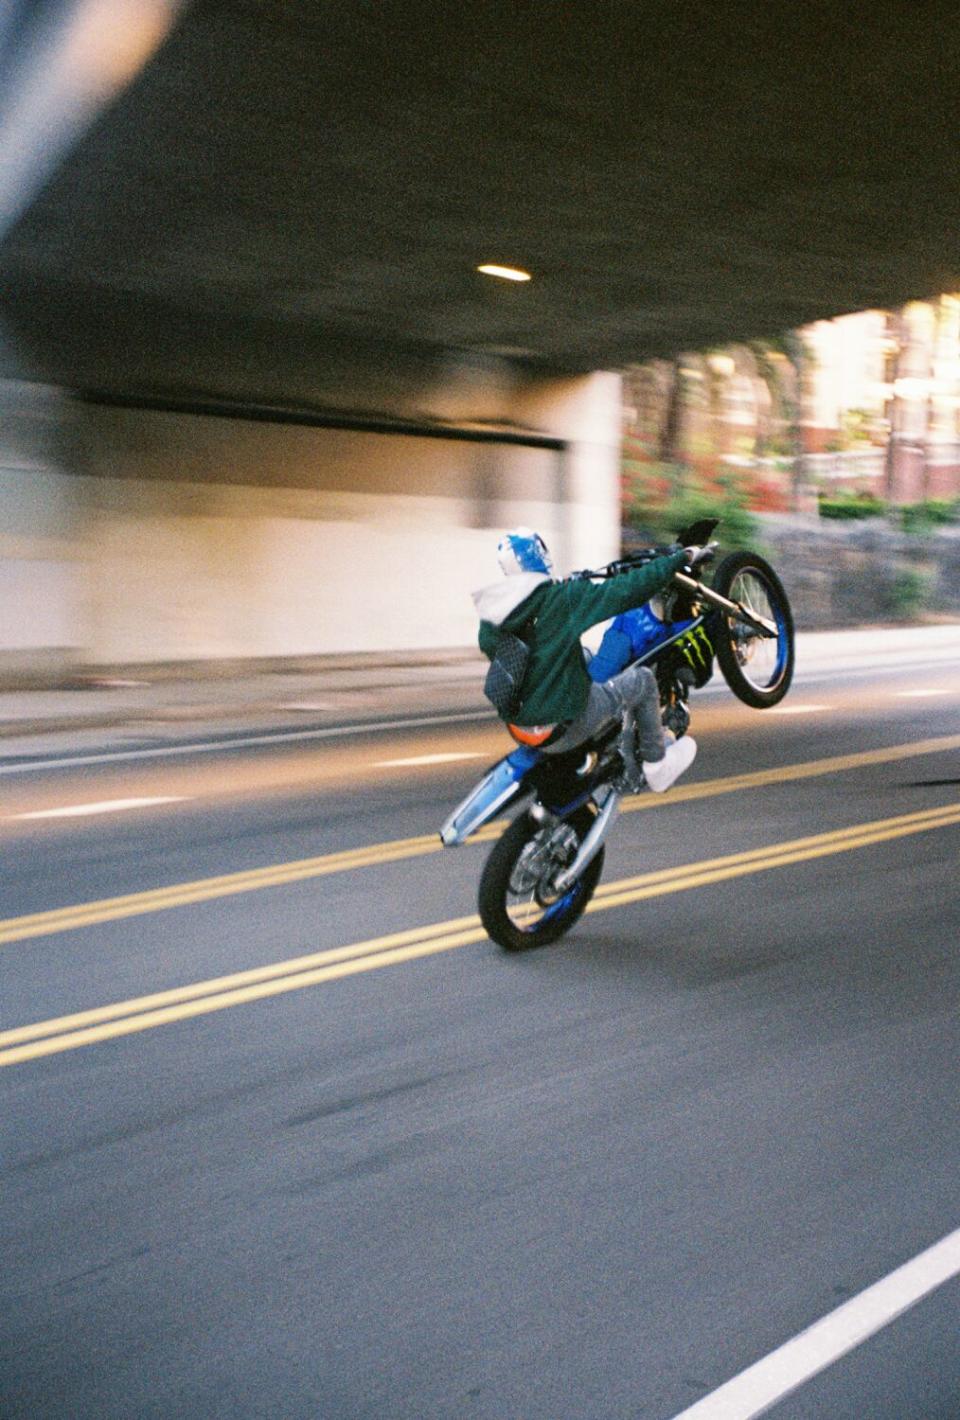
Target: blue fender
498, 788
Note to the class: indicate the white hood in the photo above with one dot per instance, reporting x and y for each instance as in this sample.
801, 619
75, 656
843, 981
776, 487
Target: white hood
495, 602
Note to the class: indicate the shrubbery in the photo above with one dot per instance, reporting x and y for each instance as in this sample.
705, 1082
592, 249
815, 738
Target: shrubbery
648, 522
912, 517
908, 593
931, 513
852, 505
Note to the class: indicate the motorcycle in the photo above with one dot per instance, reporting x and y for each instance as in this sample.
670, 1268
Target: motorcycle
544, 868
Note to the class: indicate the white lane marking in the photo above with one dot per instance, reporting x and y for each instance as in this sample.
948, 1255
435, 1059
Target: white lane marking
425, 759
762, 1385
245, 741
802, 676
918, 694
796, 709
107, 806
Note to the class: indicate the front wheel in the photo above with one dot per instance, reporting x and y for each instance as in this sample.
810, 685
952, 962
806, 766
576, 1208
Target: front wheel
757, 668
519, 906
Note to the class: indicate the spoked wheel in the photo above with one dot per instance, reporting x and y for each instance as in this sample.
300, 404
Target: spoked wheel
758, 669
519, 905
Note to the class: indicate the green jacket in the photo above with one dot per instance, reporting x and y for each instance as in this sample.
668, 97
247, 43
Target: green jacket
556, 683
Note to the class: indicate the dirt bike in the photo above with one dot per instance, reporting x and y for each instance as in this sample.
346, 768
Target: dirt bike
544, 868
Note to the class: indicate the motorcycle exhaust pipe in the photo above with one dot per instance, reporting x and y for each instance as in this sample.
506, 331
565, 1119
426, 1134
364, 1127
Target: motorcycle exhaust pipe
592, 844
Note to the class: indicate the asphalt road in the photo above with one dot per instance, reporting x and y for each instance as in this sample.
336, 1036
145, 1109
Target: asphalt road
284, 1135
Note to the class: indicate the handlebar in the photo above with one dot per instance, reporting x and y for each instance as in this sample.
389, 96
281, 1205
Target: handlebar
698, 534
639, 559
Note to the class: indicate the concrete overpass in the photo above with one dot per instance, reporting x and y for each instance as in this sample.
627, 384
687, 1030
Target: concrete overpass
287, 206
323, 177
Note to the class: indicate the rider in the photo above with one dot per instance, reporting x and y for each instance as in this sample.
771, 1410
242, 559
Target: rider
561, 707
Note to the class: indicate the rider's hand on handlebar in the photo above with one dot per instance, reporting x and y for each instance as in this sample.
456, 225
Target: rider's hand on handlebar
697, 555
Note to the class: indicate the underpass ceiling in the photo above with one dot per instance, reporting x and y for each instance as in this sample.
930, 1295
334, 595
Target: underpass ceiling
673, 176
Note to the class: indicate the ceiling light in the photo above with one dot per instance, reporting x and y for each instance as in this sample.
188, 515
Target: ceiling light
505, 273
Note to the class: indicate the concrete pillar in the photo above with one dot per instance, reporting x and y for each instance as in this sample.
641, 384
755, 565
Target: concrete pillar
41, 604
906, 459
587, 412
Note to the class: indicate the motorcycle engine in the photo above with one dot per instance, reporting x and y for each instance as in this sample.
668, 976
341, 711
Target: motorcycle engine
673, 696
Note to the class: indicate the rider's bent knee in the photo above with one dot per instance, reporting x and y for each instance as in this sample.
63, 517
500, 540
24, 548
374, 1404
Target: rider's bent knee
636, 684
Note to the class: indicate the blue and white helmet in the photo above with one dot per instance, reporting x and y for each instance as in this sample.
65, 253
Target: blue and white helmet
523, 550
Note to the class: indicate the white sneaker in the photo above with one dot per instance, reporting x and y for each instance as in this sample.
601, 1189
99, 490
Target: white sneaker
661, 773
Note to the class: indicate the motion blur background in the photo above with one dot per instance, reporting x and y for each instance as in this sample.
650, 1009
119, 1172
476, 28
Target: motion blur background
286, 1134
258, 405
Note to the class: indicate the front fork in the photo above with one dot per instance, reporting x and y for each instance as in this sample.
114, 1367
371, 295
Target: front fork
607, 799
760, 624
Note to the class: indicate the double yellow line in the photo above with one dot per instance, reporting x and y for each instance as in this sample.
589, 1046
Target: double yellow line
203, 997
784, 773
778, 855
71, 1032
112, 909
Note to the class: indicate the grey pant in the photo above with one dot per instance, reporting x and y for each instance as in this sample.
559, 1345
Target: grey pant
634, 689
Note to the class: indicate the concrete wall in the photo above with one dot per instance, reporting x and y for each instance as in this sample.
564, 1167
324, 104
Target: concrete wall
136, 537
859, 573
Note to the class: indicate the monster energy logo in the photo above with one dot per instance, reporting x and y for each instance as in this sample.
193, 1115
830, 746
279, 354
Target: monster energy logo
696, 647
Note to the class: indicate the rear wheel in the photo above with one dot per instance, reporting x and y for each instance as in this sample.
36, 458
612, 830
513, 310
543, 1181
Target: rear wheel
757, 668
519, 906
